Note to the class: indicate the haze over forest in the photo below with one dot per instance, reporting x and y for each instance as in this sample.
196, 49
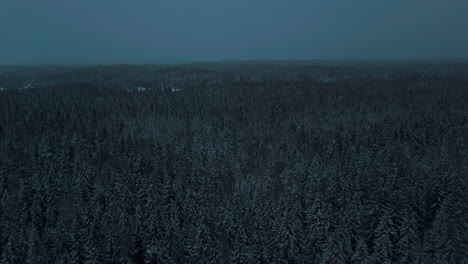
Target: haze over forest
117, 31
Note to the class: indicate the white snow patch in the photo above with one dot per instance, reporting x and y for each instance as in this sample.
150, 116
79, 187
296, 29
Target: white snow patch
328, 80
170, 88
2, 89
141, 89
28, 86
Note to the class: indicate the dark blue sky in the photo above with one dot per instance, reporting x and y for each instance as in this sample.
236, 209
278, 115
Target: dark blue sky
154, 31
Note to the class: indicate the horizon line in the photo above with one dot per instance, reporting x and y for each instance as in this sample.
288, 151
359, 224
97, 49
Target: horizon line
427, 60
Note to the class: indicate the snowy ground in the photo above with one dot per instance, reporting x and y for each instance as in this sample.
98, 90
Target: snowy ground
162, 89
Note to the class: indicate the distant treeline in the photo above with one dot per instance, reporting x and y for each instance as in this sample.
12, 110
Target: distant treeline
237, 170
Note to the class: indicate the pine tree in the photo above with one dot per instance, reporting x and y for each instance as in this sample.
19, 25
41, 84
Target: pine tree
10, 252
383, 249
337, 248
203, 248
407, 247
361, 253
288, 240
240, 251
35, 251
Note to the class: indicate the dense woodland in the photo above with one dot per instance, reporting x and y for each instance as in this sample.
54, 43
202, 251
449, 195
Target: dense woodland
248, 166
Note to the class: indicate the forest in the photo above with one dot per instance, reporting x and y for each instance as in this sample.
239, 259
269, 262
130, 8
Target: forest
236, 162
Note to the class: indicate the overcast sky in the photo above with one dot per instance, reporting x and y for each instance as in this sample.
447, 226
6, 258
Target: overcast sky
167, 31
